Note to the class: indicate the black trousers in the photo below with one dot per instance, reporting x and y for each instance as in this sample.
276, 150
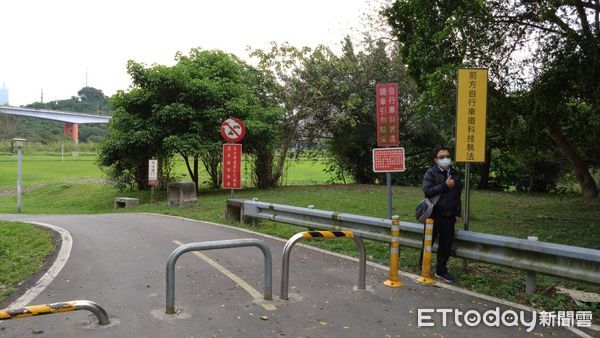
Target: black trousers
443, 229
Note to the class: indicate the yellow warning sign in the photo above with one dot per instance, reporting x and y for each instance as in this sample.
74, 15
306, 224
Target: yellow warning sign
471, 115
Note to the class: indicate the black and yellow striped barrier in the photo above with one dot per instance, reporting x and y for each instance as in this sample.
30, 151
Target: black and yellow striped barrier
327, 234
46, 309
393, 281
285, 269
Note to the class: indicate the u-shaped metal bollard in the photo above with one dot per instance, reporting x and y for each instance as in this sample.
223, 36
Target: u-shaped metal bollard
285, 270
199, 246
46, 309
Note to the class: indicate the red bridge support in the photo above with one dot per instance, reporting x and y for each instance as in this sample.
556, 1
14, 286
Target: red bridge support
72, 131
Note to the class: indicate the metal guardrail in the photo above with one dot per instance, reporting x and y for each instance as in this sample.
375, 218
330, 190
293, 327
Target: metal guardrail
199, 246
46, 309
566, 261
287, 250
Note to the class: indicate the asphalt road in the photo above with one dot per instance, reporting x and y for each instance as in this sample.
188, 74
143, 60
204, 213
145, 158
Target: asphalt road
118, 261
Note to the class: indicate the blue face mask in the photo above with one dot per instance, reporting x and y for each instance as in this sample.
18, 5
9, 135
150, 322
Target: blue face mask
444, 163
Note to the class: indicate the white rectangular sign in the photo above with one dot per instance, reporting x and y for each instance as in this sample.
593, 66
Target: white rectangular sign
152, 172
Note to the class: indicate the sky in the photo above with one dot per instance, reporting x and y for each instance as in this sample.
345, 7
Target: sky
52, 45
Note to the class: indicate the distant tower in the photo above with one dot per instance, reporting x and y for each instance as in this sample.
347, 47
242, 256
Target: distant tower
42, 96
4, 95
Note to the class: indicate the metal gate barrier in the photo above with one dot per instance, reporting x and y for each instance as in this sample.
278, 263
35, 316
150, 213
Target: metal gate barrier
285, 270
46, 309
199, 246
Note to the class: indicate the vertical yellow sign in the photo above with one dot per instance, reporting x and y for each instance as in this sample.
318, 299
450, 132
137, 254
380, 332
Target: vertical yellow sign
471, 115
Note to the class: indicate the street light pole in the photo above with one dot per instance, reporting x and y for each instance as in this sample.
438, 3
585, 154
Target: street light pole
19, 142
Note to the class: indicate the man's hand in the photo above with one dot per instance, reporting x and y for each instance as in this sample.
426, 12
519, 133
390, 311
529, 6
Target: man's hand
450, 182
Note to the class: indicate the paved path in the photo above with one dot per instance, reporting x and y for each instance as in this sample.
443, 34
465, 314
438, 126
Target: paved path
118, 261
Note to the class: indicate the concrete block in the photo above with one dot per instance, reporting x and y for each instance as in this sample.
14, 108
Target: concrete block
181, 194
126, 202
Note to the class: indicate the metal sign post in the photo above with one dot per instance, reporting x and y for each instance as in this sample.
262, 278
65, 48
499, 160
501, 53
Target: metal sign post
467, 195
386, 102
388, 177
471, 123
19, 178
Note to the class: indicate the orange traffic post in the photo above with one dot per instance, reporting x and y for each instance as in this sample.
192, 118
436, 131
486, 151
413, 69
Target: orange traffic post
427, 243
394, 254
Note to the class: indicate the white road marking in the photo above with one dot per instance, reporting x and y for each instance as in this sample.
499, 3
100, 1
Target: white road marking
48, 277
258, 297
409, 275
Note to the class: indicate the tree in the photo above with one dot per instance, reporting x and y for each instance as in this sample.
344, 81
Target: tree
330, 100
179, 109
560, 38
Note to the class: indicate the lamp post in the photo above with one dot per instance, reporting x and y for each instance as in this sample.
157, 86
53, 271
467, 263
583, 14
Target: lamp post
19, 142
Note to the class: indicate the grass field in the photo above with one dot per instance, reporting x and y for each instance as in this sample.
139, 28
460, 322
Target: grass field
46, 169
559, 219
23, 249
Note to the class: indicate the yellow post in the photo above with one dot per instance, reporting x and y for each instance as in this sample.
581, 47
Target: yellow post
394, 254
427, 243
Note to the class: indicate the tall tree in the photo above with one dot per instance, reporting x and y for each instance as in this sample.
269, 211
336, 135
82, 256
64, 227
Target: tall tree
559, 38
180, 109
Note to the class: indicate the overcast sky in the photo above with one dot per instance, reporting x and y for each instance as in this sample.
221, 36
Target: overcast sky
51, 44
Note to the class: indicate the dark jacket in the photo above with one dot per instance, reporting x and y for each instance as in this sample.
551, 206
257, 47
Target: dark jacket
434, 183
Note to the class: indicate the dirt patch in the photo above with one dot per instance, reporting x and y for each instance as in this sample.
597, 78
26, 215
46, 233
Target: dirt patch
13, 192
31, 187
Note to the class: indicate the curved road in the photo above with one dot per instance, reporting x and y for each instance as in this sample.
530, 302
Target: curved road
118, 261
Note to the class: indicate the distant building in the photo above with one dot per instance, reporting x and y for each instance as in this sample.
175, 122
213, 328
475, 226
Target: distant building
4, 95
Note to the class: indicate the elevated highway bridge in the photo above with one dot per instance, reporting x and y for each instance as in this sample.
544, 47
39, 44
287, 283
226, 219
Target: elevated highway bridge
71, 120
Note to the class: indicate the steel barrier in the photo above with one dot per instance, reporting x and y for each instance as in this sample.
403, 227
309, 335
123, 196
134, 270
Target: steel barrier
547, 258
200, 246
287, 249
46, 309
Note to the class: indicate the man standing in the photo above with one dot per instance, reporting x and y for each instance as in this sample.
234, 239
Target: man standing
441, 179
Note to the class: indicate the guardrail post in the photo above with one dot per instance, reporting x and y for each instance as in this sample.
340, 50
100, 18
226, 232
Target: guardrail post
427, 244
531, 281
199, 246
287, 249
394, 254
311, 207
46, 309
254, 219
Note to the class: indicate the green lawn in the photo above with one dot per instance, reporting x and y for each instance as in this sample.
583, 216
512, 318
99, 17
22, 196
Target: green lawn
45, 169
558, 219
23, 250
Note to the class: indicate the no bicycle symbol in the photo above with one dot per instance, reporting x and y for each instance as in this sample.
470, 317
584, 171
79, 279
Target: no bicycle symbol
233, 130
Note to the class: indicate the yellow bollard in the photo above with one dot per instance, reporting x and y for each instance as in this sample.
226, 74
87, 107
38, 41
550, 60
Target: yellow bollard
394, 254
427, 243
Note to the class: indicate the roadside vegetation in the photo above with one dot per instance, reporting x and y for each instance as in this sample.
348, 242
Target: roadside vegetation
23, 250
561, 219
310, 118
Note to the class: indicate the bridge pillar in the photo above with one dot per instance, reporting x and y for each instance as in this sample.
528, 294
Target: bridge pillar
72, 131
